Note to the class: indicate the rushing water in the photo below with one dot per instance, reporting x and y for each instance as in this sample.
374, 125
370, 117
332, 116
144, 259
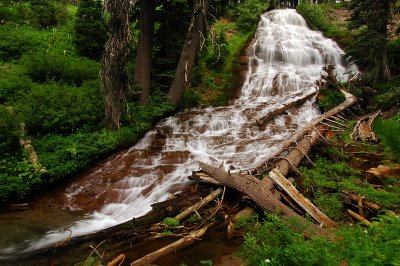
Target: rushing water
285, 60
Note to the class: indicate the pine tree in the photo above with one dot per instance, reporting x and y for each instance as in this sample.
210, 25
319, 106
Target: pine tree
369, 47
90, 29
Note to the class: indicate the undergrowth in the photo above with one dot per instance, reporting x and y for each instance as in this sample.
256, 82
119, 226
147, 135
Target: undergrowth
274, 242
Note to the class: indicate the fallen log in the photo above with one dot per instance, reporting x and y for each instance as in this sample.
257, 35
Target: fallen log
256, 190
358, 217
313, 211
263, 120
363, 129
311, 127
117, 261
367, 203
212, 196
181, 243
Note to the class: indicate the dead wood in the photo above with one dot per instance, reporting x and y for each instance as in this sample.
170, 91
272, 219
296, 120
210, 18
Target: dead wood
310, 128
383, 171
367, 203
358, 217
181, 243
117, 261
263, 120
313, 211
256, 190
212, 196
363, 129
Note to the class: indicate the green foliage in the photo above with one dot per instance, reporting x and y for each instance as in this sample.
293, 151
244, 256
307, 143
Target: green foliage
388, 131
247, 222
191, 98
248, 13
17, 40
330, 99
393, 53
317, 17
193, 219
276, 243
326, 180
9, 131
156, 107
54, 108
17, 12
66, 155
90, 29
206, 262
371, 18
17, 179
48, 13
45, 67
171, 222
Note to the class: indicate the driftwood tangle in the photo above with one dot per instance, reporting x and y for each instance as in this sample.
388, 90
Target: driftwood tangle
181, 243
363, 129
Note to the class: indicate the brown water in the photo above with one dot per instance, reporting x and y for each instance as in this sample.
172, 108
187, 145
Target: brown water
285, 60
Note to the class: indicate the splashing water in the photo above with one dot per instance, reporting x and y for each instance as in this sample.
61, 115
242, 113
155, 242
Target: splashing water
285, 60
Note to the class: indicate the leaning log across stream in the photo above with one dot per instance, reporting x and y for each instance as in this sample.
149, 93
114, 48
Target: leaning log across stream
263, 120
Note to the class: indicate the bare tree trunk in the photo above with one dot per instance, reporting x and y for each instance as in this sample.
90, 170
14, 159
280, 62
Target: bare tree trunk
145, 48
189, 51
114, 78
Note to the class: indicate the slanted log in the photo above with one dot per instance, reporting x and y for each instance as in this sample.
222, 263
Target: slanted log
288, 187
358, 217
311, 127
256, 190
181, 243
212, 196
263, 120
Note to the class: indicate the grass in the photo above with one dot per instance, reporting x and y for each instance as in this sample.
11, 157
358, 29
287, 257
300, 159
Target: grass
274, 242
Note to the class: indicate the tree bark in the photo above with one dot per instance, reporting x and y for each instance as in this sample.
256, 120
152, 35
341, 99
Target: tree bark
145, 48
114, 78
189, 52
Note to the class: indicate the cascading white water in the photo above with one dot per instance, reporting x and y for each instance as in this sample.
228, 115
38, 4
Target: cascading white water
285, 60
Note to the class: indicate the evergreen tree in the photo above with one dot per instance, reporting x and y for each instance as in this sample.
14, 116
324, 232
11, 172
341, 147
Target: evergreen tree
90, 29
369, 47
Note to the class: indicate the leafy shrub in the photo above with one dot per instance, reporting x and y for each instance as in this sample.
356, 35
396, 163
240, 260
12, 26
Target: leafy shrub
330, 99
191, 98
248, 14
90, 29
9, 131
12, 83
18, 40
15, 12
276, 243
47, 13
17, 179
53, 108
66, 155
388, 131
45, 67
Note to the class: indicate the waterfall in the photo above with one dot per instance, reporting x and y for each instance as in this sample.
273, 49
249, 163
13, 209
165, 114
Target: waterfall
285, 60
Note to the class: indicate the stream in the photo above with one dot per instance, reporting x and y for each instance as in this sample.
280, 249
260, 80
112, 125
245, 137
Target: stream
285, 60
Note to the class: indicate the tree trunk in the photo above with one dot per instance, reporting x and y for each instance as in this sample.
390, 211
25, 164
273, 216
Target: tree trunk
114, 78
189, 51
145, 48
